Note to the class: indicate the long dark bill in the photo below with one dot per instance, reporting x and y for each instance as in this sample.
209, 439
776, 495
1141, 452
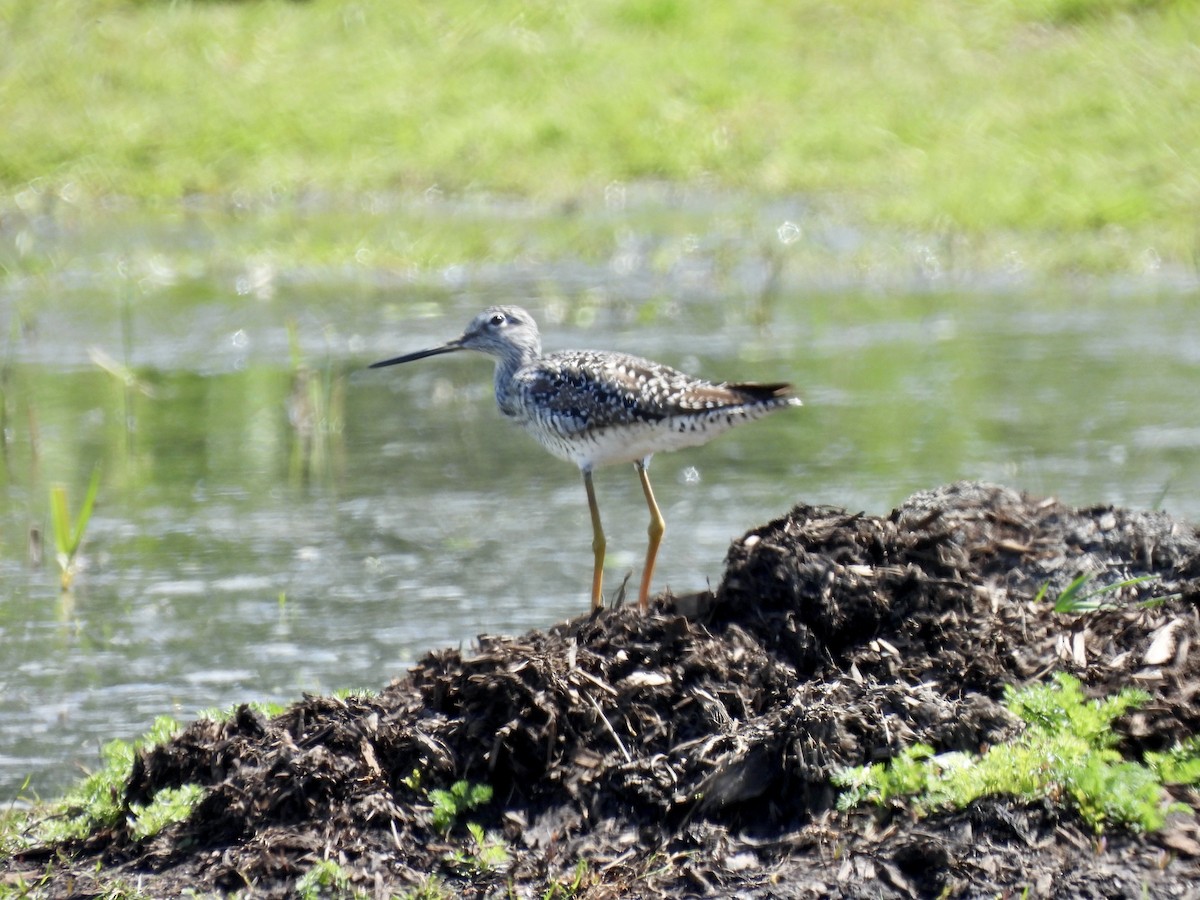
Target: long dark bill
420, 354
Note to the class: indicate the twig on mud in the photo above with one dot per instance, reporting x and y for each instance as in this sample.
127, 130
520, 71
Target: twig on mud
395, 836
595, 682
608, 725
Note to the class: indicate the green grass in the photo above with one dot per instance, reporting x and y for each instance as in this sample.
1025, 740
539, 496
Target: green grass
1062, 121
1075, 599
68, 535
1066, 754
95, 802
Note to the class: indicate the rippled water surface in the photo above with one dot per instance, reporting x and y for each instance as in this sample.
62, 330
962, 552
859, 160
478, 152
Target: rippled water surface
274, 518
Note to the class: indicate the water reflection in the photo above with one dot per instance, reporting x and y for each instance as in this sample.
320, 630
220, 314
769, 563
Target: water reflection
273, 518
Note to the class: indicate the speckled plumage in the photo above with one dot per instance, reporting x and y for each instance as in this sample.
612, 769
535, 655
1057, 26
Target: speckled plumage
596, 408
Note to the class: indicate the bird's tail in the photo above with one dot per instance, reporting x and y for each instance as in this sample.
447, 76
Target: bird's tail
756, 392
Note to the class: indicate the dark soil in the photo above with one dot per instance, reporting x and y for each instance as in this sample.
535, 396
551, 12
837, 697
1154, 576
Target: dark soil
689, 752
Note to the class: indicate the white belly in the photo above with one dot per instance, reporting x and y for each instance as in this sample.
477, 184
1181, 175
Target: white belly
597, 447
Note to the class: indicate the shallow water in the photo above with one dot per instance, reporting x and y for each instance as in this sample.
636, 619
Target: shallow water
274, 518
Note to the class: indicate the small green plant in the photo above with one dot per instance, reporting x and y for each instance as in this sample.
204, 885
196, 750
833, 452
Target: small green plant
1180, 764
1066, 752
96, 801
413, 780
121, 890
327, 879
1073, 599
68, 536
1062, 708
169, 805
462, 797
15, 826
430, 888
487, 855
268, 708
563, 890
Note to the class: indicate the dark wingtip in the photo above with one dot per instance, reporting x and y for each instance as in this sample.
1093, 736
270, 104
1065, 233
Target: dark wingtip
764, 391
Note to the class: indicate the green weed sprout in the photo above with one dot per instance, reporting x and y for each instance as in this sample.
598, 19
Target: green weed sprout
268, 708
564, 889
168, 806
462, 797
1074, 600
487, 855
327, 879
1065, 753
1180, 764
68, 536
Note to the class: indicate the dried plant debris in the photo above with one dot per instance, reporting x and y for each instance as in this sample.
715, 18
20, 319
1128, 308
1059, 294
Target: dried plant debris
690, 752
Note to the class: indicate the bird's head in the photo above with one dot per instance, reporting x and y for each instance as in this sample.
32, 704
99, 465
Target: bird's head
506, 332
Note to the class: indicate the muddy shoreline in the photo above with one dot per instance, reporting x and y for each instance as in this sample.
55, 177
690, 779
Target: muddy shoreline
689, 752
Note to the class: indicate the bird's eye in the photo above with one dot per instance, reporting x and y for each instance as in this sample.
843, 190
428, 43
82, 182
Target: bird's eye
497, 320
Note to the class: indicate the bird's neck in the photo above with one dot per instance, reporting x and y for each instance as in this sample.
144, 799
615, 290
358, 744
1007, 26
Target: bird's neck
506, 391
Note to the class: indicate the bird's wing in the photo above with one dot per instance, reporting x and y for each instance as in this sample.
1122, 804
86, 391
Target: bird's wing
588, 389
581, 390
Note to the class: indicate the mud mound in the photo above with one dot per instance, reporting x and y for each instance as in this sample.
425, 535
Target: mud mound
690, 751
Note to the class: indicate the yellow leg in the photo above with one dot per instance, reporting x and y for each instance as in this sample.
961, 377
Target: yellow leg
656, 529
597, 542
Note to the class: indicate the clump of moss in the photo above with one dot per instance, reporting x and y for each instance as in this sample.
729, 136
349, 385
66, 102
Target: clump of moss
1066, 753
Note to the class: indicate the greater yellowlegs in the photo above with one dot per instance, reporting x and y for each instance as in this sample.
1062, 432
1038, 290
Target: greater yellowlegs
595, 408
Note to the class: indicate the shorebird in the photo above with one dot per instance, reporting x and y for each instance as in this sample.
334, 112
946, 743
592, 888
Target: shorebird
596, 408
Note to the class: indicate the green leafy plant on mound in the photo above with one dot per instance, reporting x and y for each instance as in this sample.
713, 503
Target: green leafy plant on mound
327, 879
1066, 753
1180, 764
95, 802
1077, 598
484, 853
461, 798
268, 708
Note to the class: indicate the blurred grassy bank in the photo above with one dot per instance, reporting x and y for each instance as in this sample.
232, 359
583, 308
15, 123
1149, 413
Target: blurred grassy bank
1061, 123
